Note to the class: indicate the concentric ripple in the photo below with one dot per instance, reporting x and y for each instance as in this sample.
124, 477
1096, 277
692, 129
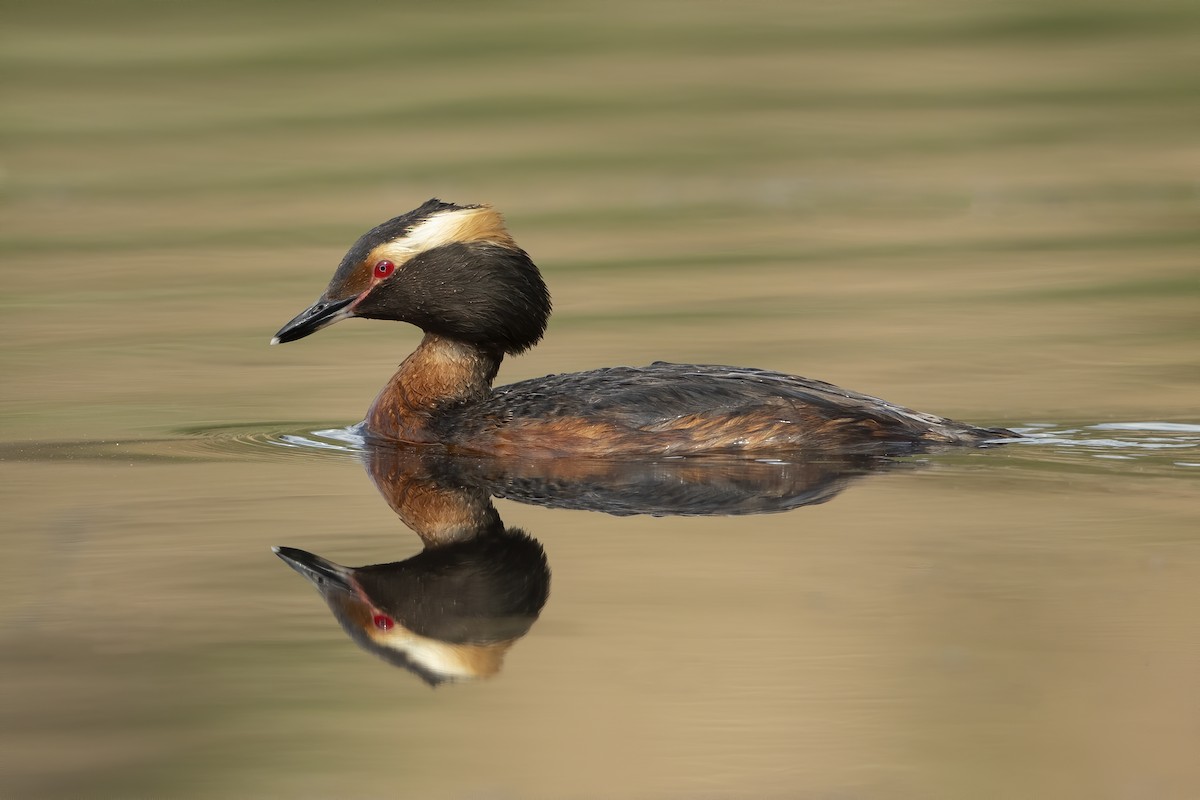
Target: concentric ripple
320, 441
238, 442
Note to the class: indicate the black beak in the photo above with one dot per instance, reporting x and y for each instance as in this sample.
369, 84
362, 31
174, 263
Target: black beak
323, 574
312, 319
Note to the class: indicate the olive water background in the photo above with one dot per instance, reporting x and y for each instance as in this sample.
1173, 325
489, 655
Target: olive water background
984, 209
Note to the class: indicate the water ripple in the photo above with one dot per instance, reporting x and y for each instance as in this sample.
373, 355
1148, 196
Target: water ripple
1151, 444
264, 440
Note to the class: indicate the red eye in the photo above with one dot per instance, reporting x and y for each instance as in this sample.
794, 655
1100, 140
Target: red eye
384, 623
384, 268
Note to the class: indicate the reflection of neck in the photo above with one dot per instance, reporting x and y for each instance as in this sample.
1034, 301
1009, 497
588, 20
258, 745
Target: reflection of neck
440, 372
440, 512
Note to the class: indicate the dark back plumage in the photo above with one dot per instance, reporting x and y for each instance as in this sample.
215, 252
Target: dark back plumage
692, 406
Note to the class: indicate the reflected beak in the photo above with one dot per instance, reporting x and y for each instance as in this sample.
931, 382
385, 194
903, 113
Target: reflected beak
312, 319
323, 574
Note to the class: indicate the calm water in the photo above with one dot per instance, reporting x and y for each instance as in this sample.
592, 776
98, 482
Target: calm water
987, 211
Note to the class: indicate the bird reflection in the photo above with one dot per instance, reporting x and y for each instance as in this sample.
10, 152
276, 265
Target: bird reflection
451, 612
448, 613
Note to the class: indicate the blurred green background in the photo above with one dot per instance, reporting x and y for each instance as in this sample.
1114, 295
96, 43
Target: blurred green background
983, 209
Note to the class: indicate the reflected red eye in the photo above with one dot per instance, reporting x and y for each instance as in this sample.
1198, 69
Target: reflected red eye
384, 268
384, 623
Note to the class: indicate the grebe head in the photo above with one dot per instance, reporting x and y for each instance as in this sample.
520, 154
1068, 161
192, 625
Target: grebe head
450, 270
450, 612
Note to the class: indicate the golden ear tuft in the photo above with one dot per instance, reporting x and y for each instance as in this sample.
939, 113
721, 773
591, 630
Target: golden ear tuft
474, 224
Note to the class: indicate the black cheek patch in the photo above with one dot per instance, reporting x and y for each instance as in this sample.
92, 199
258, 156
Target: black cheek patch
486, 294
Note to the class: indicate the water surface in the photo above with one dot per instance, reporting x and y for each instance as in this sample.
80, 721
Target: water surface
984, 211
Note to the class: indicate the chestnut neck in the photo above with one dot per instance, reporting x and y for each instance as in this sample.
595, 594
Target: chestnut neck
440, 373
